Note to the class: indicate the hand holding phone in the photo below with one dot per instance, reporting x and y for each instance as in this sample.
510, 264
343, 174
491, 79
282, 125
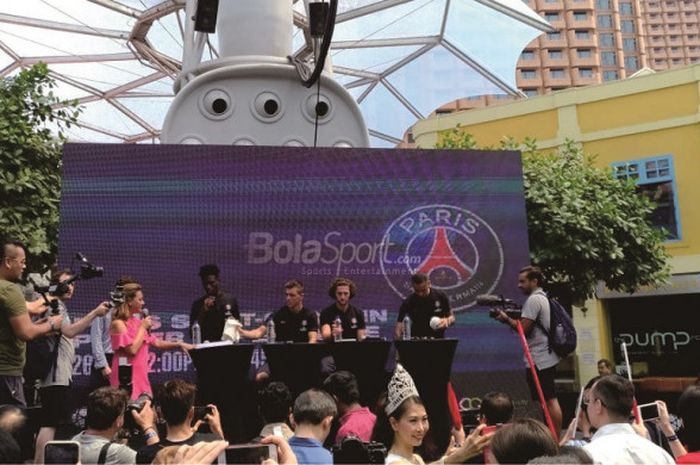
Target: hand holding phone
200, 412
649, 411
250, 453
62, 452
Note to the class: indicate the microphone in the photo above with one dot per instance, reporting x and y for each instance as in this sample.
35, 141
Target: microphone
146, 313
490, 300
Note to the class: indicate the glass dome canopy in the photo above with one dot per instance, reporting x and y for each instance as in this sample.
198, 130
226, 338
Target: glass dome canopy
400, 59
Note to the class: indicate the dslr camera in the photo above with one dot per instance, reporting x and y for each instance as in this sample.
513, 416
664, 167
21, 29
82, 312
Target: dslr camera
352, 450
116, 297
136, 405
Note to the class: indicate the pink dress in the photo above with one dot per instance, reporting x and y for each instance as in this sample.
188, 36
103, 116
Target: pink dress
139, 362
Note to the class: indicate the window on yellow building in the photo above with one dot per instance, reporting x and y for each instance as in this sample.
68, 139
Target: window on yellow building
655, 179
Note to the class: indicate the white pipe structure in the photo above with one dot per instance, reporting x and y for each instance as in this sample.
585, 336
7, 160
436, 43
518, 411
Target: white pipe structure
252, 94
255, 27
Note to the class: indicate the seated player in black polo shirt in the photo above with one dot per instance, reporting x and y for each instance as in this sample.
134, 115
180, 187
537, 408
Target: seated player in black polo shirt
422, 306
352, 319
293, 322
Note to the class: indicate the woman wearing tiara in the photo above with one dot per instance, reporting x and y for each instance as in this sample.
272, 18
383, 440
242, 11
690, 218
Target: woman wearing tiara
403, 423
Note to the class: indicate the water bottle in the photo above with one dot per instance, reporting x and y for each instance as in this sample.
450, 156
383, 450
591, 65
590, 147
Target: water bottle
271, 336
196, 333
407, 328
337, 323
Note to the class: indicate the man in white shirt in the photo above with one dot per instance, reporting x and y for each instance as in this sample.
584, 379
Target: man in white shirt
609, 405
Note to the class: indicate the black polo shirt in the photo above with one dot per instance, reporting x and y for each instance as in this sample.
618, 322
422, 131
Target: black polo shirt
212, 321
422, 309
352, 319
294, 327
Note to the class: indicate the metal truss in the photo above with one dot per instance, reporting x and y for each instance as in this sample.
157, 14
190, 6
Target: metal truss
145, 31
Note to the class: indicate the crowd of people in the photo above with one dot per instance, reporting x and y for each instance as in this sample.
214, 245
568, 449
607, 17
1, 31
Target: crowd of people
127, 421
314, 427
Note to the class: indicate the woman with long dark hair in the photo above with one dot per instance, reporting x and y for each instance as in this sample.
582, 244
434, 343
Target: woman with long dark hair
131, 340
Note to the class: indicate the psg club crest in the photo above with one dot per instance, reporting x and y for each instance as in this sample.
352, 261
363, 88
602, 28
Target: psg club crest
459, 251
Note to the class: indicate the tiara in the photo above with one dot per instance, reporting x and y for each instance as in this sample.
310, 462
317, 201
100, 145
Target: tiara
401, 387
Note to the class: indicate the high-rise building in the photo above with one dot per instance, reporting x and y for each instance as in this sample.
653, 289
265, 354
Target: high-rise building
604, 40
671, 32
594, 41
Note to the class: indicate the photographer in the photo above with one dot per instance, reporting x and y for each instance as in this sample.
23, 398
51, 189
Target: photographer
608, 406
535, 317
176, 405
16, 327
54, 389
105, 417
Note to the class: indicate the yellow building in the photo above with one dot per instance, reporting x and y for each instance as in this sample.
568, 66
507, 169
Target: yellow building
648, 128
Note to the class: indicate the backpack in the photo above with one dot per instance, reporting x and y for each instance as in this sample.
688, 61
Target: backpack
561, 333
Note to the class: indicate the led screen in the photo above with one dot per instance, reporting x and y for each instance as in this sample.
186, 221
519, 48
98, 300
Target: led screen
266, 215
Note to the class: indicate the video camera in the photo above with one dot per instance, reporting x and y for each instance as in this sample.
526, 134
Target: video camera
116, 297
512, 309
87, 271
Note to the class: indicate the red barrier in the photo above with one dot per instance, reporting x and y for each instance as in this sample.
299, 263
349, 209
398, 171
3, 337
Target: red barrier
533, 370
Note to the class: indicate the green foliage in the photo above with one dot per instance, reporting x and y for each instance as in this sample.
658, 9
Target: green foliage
30, 156
584, 225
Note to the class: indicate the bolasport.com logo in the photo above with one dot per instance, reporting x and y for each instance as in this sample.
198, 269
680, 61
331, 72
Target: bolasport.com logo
459, 251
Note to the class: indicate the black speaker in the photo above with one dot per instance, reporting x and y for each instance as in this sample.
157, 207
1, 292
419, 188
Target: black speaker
205, 17
318, 15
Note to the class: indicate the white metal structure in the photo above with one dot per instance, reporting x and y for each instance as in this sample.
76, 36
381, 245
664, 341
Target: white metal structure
252, 94
400, 59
